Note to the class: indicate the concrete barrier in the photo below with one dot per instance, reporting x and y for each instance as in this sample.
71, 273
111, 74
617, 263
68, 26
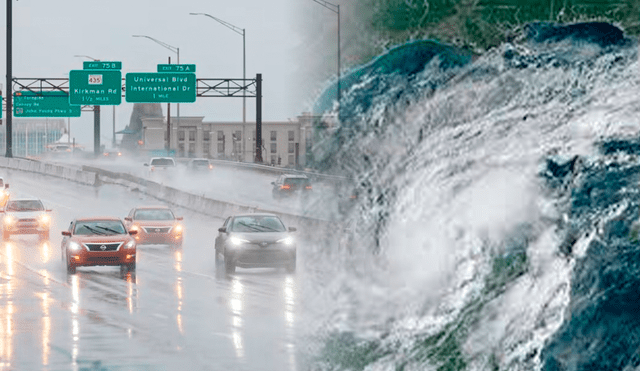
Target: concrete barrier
96, 176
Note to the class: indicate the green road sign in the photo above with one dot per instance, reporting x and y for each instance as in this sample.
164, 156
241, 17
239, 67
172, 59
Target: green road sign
95, 87
100, 65
177, 68
161, 87
43, 104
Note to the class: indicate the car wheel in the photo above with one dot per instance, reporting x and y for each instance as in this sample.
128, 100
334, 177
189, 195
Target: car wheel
71, 269
131, 267
229, 266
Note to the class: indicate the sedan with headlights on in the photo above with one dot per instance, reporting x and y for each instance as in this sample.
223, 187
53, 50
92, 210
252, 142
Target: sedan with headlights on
25, 216
256, 240
98, 241
155, 225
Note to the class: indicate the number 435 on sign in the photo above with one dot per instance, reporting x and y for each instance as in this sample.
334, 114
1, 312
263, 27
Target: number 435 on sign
95, 79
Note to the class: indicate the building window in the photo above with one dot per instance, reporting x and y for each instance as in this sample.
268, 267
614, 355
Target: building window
291, 135
237, 148
206, 135
205, 150
192, 135
291, 160
220, 135
273, 160
221, 147
274, 135
273, 148
181, 147
237, 135
192, 148
291, 147
181, 135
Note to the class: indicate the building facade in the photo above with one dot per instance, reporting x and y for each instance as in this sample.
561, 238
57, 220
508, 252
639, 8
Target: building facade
31, 136
284, 143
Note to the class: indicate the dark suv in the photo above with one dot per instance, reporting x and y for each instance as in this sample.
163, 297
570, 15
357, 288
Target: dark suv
290, 184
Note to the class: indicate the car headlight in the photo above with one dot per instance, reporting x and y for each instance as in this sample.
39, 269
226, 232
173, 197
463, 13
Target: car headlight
178, 228
130, 245
286, 241
135, 227
74, 246
45, 219
9, 219
235, 241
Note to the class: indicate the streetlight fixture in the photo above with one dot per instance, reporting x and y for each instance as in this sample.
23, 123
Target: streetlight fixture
177, 51
336, 9
113, 141
239, 31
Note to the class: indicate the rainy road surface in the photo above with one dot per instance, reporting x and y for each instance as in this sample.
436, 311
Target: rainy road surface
178, 311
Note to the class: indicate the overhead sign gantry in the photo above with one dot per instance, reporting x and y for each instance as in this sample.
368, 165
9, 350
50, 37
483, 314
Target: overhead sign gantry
100, 83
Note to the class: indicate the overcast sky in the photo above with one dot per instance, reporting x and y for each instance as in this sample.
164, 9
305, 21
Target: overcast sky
48, 34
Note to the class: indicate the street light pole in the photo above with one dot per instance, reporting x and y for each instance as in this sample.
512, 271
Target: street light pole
240, 31
9, 92
177, 51
336, 9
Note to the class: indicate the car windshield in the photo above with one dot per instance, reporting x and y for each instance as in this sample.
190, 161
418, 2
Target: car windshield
153, 214
200, 162
257, 224
162, 162
296, 181
25, 205
99, 227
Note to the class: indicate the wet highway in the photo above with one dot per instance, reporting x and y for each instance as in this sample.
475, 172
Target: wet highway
178, 311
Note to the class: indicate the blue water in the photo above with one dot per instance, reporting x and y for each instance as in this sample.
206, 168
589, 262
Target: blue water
497, 210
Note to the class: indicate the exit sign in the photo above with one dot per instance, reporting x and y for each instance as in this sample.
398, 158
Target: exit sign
176, 68
100, 65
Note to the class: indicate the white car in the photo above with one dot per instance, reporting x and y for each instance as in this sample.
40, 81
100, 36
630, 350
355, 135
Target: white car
4, 192
25, 216
161, 163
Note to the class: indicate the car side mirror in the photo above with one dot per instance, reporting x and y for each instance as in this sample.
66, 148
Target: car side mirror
145, 164
6, 186
292, 229
66, 233
180, 218
274, 183
133, 231
128, 219
222, 229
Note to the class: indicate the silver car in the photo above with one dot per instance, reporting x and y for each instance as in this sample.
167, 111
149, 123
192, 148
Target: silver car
25, 216
256, 240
